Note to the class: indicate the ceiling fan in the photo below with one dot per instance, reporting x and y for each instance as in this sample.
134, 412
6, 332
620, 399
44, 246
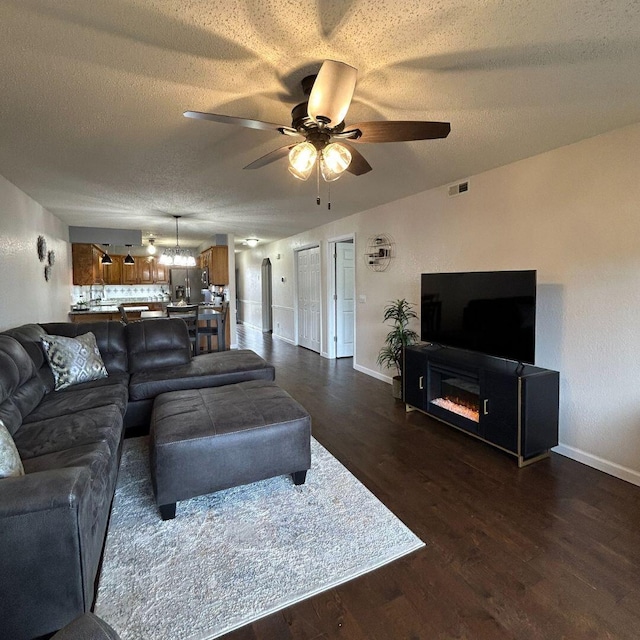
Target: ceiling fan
320, 122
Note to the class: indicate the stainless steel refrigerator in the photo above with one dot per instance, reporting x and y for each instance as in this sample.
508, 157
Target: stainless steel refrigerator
189, 284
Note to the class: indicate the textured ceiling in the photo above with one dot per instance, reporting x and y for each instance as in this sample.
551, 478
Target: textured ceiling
92, 96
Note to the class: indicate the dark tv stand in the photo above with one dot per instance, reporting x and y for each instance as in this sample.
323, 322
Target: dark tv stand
510, 405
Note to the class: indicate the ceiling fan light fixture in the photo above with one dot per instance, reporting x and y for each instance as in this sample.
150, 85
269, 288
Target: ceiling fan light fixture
302, 158
334, 161
332, 92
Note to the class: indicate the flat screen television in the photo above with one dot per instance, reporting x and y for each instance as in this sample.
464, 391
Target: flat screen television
491, 312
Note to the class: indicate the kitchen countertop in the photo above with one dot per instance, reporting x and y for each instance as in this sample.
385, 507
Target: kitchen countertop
107, 309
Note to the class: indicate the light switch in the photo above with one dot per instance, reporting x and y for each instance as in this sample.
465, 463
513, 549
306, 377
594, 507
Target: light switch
362, 299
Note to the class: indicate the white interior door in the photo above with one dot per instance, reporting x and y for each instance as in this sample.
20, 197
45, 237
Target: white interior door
309, 298
345, 298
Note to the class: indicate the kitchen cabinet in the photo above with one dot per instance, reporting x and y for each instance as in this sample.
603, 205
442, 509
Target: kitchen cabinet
149, 271
145, 270
87, 268
161, 273
216, 259
93, 317
112, 273
204, 259
130, 272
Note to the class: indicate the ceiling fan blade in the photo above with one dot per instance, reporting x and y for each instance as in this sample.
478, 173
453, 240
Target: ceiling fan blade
399, 131
359, 164
270, 157
332, 91
242, 122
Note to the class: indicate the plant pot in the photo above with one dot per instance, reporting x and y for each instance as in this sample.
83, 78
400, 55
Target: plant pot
396, 387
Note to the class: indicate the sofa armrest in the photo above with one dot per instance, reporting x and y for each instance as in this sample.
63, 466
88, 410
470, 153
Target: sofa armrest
42, 586
41, 491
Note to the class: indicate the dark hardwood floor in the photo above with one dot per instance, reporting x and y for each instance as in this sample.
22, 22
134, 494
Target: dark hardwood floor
546, 552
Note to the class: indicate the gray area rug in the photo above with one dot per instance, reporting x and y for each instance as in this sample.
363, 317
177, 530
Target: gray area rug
237, 555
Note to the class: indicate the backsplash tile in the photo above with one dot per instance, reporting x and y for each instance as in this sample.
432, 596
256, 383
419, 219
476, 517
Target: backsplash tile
137, 292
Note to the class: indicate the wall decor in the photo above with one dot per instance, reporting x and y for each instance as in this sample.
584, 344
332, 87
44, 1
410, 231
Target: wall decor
48, 257
42, 248
380, 249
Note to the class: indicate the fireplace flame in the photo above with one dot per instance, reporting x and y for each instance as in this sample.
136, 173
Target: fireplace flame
459, 409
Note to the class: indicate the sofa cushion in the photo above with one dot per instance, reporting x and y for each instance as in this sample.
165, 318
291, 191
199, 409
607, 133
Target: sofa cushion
21, 389
72, 430
73, 360
206, 370
82, 397
10, 463
109, 337
154, 344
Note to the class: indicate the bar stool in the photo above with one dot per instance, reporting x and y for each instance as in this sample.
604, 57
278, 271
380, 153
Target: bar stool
188, 313
219, 331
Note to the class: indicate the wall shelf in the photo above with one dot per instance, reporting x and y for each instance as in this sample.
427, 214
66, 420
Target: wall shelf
379, 252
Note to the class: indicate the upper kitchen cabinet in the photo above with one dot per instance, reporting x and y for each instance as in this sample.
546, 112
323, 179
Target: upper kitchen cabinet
87, 268
130, 272
146, 270
216, 259
161, 273
112, 273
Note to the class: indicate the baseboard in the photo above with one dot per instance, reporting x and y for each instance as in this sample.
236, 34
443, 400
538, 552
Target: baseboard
251, 326
613, 469
373, 374
289, 340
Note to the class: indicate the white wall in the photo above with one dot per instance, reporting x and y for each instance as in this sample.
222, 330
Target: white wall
25, 295
574, 215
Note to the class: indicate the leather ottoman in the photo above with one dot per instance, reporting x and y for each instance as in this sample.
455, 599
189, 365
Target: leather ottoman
205, 440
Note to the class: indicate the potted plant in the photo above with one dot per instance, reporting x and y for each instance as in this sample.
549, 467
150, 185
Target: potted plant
398, 313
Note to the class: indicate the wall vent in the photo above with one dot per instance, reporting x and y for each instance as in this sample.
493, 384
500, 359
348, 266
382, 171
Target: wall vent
457, 189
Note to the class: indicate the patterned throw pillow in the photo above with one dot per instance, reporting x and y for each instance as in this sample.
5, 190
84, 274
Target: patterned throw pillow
10, 463
73, 360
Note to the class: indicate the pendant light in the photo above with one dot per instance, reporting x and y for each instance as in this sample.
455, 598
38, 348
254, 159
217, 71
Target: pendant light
129, 258
151, 247
177, 257
106, 258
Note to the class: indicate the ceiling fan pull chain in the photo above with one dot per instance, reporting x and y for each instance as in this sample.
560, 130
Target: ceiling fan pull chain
318, 182
329, 196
